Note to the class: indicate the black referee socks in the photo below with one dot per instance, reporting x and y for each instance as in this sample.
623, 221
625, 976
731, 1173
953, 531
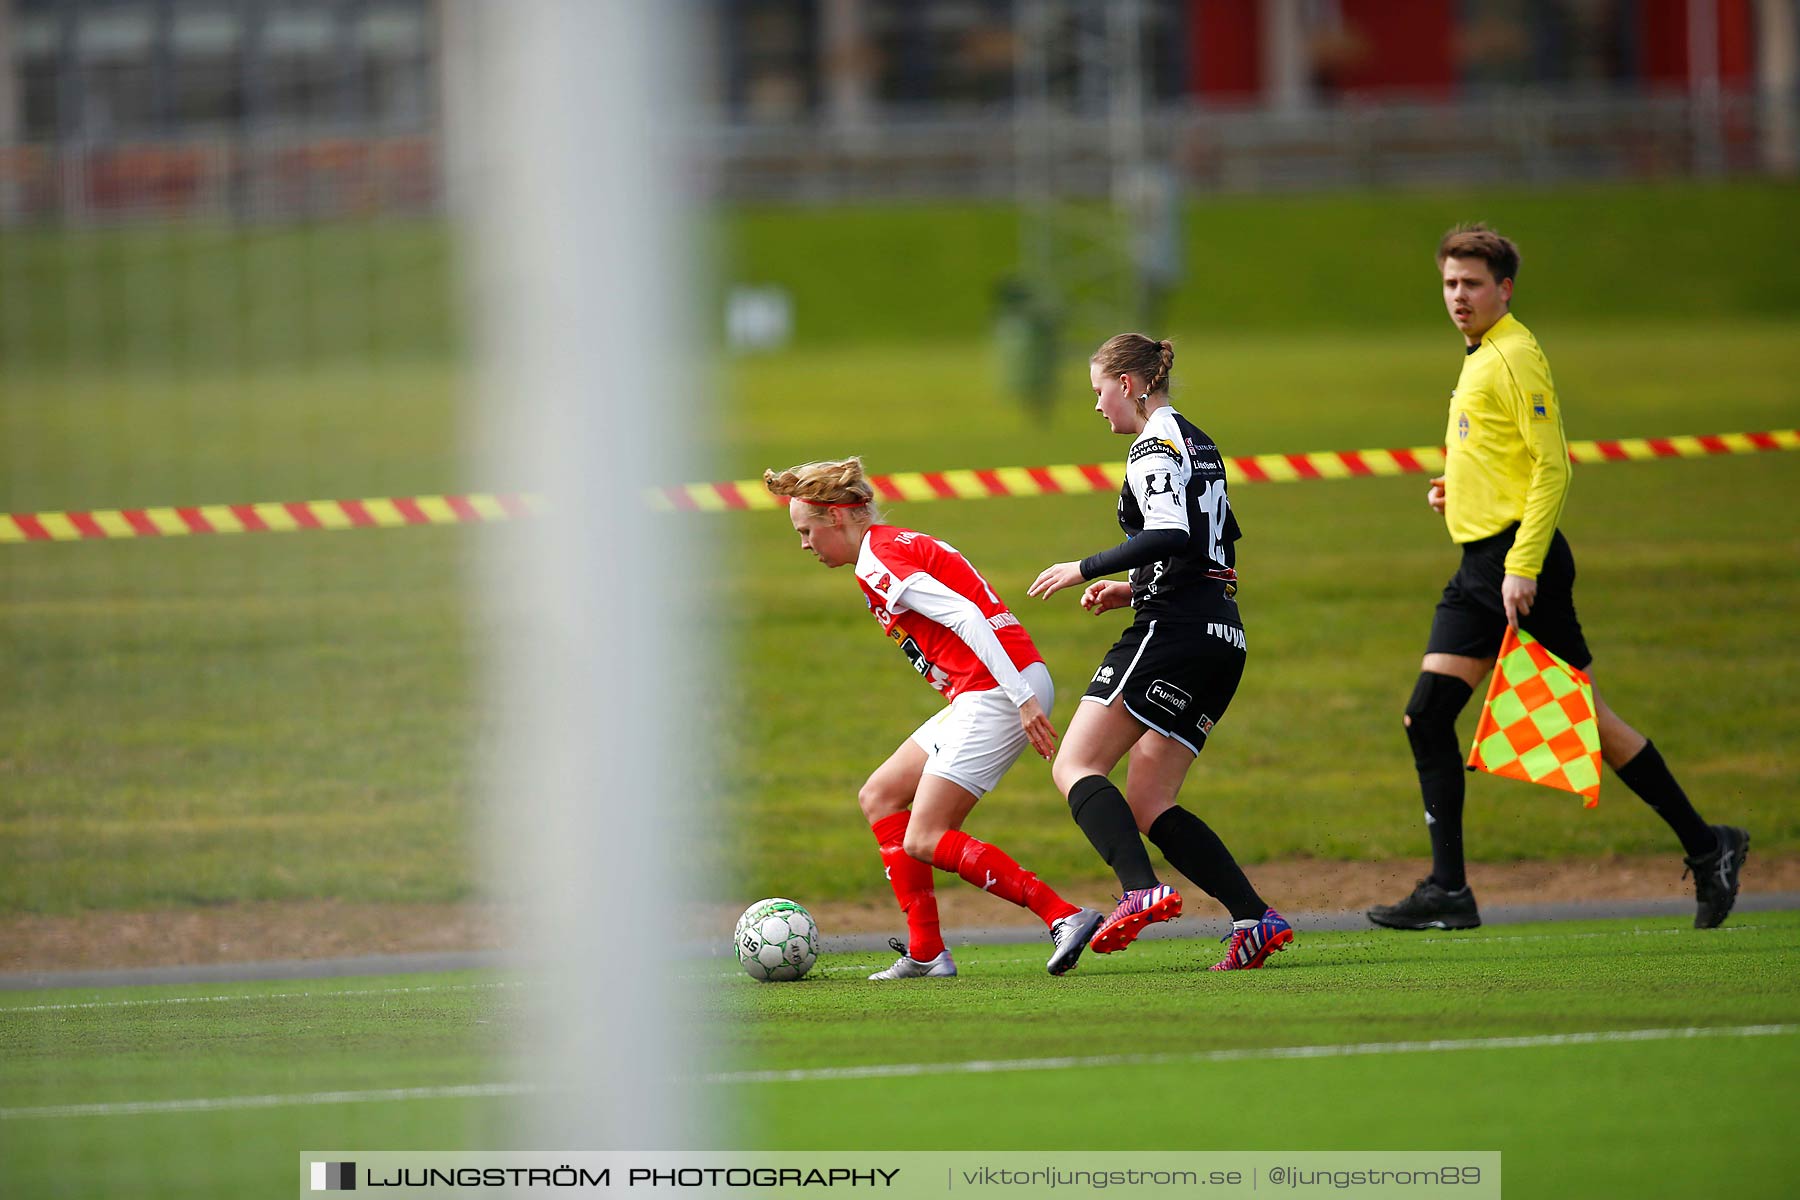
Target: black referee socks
1648, 776
1195, 850
1100, 809
1431, 728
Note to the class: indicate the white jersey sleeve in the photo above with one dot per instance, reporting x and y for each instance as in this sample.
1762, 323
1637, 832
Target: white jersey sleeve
926, 595
1157, 470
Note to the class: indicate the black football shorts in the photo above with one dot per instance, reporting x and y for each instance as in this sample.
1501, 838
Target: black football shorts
1470, 618
1175, 677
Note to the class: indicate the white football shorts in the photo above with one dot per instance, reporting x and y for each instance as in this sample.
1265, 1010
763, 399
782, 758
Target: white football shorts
974, 739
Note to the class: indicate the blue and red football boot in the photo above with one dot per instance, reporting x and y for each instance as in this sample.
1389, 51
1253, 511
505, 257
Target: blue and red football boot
1252, 945
1138, 908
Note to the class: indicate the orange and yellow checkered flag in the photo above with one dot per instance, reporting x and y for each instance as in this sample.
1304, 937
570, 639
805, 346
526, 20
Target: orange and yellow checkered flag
1538, 723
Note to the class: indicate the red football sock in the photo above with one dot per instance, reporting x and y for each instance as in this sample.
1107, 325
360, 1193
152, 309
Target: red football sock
992, 869
911, 881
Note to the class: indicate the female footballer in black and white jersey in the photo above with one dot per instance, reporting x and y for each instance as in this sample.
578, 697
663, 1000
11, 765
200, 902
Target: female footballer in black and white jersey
1168, 679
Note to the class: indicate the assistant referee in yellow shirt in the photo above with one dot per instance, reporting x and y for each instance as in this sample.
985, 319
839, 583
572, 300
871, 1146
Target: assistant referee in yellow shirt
1506, 475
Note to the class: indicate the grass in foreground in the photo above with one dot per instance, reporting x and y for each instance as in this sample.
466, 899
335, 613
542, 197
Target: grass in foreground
1167, 1057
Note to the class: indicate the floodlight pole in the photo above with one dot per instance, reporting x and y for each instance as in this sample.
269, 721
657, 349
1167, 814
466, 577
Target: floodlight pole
1084, 186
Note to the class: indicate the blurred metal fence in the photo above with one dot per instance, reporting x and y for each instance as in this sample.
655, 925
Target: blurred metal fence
270, 177
1531, 137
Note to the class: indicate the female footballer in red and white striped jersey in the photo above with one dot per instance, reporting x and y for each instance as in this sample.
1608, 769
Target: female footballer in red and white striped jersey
963, 640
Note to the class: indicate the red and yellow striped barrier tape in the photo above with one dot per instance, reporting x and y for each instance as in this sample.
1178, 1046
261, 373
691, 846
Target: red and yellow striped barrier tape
1255, 468
477, 508
384, 513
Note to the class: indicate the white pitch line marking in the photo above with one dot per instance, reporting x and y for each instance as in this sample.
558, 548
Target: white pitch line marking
237, 996
891, 1070
989, 1066
216, 1103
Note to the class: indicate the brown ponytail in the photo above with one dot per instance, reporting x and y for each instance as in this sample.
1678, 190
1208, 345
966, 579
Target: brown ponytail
1151, 361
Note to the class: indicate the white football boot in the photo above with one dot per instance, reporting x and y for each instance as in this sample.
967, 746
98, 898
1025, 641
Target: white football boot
908, 967
1070, 936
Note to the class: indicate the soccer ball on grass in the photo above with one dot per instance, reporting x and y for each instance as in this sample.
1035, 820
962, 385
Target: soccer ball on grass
776, 940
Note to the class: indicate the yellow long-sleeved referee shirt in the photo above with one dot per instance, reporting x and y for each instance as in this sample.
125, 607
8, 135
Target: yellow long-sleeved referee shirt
1506, 458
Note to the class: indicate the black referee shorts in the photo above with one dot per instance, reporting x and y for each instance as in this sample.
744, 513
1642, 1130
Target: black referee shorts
1471, 619
1174, 677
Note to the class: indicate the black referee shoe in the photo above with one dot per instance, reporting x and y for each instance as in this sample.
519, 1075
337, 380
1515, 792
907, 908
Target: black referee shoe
1716, 876
1429, 907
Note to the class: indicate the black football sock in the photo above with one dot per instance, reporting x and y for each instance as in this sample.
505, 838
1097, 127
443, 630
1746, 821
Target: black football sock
1444, 822
1195, 850
1431, 716
1100, 809
1648, 776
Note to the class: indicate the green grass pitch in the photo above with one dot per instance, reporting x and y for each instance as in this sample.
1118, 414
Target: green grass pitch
1622, 1058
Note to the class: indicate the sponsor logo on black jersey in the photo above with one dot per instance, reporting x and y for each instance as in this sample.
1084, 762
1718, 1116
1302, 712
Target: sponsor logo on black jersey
1149, 446
1165, 478
1230, 633
1206, 723
1166, 695
1148, 579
